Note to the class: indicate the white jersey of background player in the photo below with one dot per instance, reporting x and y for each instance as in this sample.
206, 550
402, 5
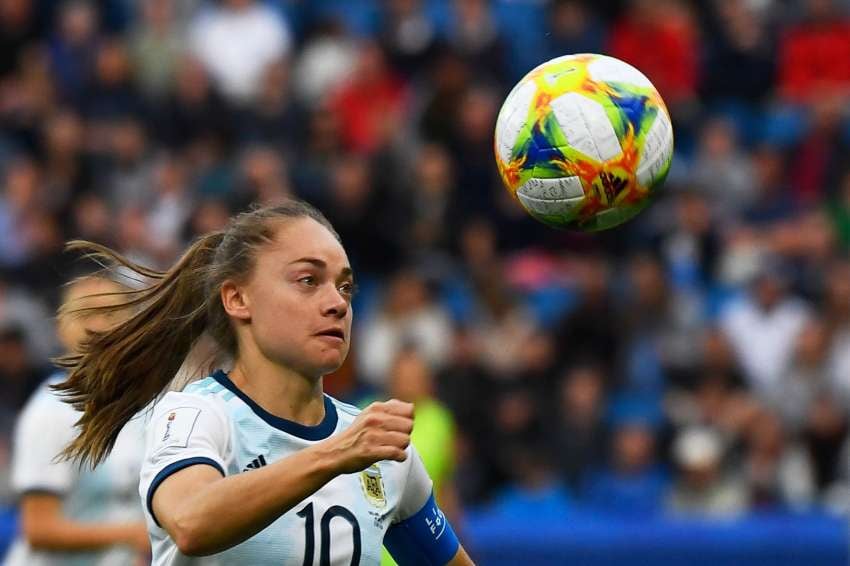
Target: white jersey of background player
72, 515
212, 422
107, 494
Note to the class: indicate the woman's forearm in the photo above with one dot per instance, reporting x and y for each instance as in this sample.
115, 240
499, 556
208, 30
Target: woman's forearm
61, 535
45, 528
223, 513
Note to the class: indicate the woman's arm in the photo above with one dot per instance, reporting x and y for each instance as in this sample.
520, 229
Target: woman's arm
205, 513
461, 558
45, 528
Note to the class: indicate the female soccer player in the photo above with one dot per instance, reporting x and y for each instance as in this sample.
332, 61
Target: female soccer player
71, 515
257, 465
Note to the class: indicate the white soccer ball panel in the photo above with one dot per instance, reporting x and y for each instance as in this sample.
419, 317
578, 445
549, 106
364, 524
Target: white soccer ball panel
512, 119
657, 150
586, 126
550, 207
552, 189
608, 69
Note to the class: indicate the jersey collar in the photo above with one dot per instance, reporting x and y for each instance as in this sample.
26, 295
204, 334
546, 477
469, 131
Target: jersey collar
318, 432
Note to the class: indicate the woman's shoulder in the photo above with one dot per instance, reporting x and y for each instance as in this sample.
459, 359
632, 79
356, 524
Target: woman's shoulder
205, 394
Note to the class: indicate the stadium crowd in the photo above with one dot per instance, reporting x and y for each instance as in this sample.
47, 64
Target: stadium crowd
695, 361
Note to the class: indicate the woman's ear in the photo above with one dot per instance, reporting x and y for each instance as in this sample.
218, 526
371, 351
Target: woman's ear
235, 301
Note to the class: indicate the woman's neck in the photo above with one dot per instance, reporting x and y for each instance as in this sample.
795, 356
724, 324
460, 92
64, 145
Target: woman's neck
280, 391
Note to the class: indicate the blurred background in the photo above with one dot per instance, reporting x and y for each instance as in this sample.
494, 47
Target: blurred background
672, 391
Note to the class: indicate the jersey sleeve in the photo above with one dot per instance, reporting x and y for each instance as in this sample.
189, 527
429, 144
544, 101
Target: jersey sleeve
185, 430
420, 534
417, 488
44, 428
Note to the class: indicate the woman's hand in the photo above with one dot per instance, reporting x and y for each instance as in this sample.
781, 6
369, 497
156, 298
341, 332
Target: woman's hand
380, 432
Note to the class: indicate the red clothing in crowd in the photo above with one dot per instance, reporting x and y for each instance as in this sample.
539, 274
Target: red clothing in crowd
366, 109
815, 57
665, 50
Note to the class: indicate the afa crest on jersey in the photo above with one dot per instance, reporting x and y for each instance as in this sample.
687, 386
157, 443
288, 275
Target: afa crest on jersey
373, 486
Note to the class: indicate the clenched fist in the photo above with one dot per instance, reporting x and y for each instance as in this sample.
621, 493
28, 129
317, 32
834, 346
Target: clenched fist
380, 432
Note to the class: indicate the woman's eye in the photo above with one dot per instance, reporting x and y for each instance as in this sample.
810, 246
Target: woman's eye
308, 280
347, 288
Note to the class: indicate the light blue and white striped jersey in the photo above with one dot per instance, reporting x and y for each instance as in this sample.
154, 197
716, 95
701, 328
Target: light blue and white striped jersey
212, 422
106, 494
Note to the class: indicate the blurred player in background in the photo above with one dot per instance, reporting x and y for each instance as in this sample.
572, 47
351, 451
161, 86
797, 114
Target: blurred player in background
411, 379
71, 514
257, 465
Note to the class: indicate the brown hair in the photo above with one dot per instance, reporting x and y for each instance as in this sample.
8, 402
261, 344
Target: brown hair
120, 372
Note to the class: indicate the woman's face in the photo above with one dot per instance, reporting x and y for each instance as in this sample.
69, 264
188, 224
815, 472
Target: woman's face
73, 327
297, 302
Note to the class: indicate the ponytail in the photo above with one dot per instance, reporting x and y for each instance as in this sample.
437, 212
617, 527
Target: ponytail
118, 373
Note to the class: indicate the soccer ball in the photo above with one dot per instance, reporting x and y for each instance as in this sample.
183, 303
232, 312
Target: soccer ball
584, 142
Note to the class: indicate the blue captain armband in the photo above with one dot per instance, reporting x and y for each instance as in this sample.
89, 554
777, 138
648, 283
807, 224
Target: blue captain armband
425, 539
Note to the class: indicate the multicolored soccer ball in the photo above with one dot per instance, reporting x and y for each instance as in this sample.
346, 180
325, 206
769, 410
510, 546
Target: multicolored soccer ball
584, 142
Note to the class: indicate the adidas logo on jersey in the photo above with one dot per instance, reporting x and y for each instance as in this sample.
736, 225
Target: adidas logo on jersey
256, 463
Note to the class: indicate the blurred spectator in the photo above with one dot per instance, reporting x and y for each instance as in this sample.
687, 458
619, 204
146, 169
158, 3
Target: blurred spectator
263, 178
763, 327
633, 484
469, 392
236, 41
474, 34
535, 492
156, 45
20, 373
574, 29
111, 94
590, 329
579, 429
364, 214
26, 98
773, 201
433, 195
502, 327
836, 308
273, 118
408, 36
325, 62
806, 378
18, 27
703, 488
128, 168
778, 471
814, 54
449, 80
824, 436
21, 196
193, 110
691, 250
722, 170
839, 210
740, 63
91, 219
68, 169
19, 308
73, 48
409, 318
372, 103
818, 158
659, 328
169, 208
